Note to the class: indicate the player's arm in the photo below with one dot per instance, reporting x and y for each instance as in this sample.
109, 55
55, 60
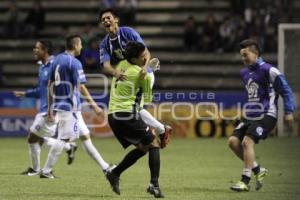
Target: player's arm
282, 87
50, 101
105, 62
147, 89
32, 93
85, 92
108, 69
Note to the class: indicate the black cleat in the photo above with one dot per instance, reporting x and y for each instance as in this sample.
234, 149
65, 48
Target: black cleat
49, 175
113, 180
155, 191
30, 172
71, 153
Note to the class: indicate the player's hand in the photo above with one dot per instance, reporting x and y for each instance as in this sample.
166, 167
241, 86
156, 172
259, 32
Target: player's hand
99, 111
50, 118
120, 76
154, 63
289, 118
19, 94
143, 73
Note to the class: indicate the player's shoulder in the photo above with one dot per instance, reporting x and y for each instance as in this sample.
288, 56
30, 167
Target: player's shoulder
127, 29
244, 70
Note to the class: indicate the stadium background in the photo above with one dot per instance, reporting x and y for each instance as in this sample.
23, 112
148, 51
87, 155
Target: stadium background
209, 63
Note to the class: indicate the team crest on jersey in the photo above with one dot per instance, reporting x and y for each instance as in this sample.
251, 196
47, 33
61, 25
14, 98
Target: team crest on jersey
259, 131
252, 89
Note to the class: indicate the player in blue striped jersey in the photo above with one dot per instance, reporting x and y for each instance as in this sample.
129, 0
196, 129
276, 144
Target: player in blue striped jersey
263, 84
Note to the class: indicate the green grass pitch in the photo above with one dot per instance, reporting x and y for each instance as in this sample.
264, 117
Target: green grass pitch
200, 169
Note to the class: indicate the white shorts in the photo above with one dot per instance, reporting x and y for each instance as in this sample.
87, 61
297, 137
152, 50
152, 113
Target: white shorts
67, 125
83, 129
41, 127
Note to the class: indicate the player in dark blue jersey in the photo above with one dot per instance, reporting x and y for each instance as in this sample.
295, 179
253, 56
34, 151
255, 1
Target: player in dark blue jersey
40, 131
263, 84
112, 49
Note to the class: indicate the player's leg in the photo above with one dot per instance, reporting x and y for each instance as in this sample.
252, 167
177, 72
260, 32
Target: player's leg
67, 131
131, 131
154, 165
88, 145
39, 129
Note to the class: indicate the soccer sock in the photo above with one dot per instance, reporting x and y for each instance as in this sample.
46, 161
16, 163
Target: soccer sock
154, 165
53, 155
128, 160
48, 141
246, 176
34, 152
151, 121
255, 168
93, 153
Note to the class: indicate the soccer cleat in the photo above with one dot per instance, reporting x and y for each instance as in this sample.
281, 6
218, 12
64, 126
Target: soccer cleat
154, 63
71, 153
49, 175
260, 177
155, 191
165, 137
240, 187
30, 172
113, 180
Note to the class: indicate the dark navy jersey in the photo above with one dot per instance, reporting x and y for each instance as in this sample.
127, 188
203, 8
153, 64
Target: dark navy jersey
65, 75
263, 84
41, 91
112, 49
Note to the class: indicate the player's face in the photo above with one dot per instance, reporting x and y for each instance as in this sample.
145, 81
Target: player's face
78, 46
249, 57
109, 22
38, 51
141, 60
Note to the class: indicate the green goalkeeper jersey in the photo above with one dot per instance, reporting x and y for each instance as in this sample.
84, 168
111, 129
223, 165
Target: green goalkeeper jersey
124, 94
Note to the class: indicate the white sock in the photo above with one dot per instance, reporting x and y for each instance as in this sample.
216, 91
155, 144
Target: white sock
34, 153
151, 121
254, 164
48, 141
67, 146
54, 152
93, 153
247, 172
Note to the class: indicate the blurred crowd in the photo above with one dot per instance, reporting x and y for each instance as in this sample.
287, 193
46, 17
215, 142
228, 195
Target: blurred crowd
247, 19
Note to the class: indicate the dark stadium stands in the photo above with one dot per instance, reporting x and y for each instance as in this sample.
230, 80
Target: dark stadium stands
160, 22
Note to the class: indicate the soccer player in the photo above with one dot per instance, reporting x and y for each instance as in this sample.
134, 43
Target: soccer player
68, 79
124, 118
40, 131
263, 84
112, 49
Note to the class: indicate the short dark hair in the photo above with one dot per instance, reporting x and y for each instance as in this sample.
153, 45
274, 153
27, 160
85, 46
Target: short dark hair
70, 41
47, 45
252, 44
133, 49
112, 11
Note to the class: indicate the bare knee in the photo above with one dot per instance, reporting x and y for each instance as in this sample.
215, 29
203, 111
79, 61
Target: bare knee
247, 142
233, 142
143, 148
